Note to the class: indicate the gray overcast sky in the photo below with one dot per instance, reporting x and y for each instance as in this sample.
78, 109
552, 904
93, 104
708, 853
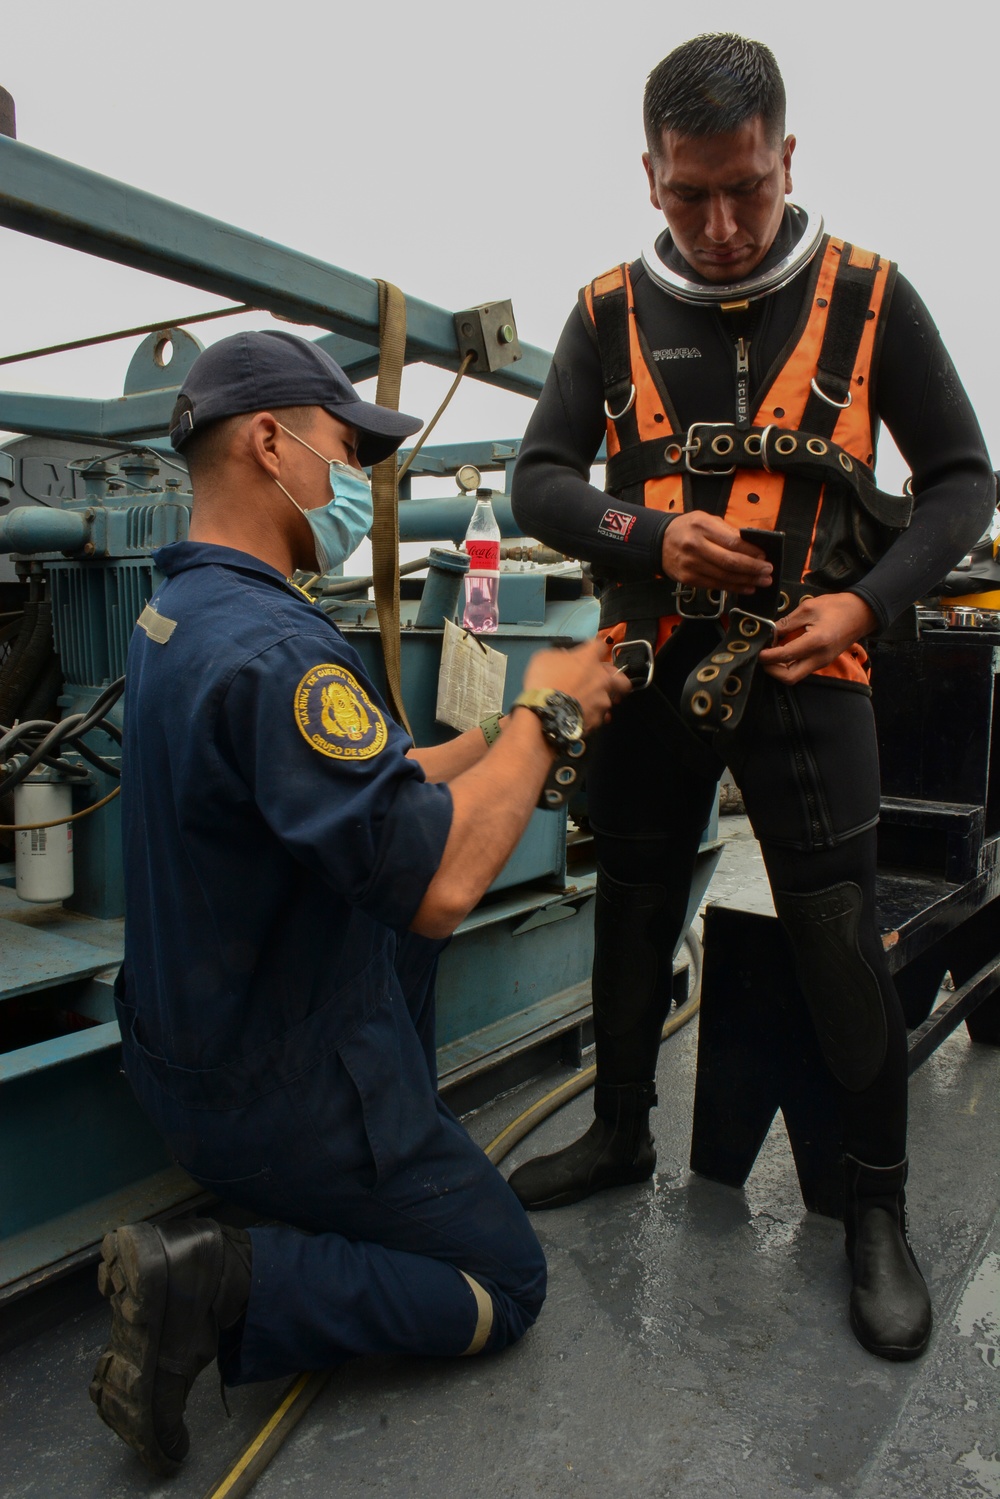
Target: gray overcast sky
469, 151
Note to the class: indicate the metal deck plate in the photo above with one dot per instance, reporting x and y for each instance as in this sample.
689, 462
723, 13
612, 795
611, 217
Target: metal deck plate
33, 958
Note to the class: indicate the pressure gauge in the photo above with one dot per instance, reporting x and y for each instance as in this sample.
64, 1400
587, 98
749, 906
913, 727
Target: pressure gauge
468, 478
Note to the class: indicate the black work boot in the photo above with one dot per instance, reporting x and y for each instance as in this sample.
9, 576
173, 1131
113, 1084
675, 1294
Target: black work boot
172, 1289
890, 1306
616, 1151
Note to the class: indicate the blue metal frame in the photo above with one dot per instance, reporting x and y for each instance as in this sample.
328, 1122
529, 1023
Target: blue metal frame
68, 205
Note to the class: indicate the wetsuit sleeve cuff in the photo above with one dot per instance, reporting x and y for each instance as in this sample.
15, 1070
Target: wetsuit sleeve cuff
875, 604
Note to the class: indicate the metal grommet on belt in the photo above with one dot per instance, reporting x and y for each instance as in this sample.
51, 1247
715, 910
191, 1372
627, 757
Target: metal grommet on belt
754, 451
817, 446
749, 628
566, 775
783, 601
708, 673
739, 646
723, 658
785, 444
673, 452
725, 712
846, 463
722, 445
732, 686
701, 704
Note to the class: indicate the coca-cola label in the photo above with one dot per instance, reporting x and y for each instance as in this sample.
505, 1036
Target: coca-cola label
484, 556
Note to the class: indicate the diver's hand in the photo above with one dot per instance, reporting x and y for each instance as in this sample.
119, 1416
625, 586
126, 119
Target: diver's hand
701, 549
815, 633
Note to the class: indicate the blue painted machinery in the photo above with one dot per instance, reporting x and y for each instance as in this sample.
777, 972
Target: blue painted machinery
88, 492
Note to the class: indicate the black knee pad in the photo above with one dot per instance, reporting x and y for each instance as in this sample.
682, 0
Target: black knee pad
840, 987
631, 973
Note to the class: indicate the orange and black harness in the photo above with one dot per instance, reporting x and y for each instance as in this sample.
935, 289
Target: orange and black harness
800, 464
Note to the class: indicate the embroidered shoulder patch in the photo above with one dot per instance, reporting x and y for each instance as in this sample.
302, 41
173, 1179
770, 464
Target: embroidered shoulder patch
337, 717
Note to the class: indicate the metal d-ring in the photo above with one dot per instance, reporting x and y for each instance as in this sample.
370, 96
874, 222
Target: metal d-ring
840, 405
616, 416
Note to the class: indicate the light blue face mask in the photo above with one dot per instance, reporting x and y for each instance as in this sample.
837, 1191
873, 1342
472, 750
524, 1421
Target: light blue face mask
341, 526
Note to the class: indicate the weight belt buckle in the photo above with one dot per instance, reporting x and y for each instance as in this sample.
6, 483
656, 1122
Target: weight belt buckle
687, 593
637, 666
722, 445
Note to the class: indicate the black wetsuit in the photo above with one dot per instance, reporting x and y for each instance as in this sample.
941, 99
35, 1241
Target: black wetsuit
805, 756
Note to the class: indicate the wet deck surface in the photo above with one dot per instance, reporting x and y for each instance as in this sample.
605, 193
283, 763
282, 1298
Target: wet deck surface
695, 1342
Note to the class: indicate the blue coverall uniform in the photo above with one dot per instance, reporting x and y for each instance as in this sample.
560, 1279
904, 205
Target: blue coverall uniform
277, 1014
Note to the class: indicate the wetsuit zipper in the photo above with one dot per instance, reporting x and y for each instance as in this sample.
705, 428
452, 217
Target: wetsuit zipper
743, 383
817, 814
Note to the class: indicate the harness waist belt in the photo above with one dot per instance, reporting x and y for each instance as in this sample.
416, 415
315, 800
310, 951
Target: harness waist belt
719, 448
659, 598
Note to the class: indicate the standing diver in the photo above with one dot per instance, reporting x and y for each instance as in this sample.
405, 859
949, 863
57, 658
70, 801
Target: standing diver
740, 371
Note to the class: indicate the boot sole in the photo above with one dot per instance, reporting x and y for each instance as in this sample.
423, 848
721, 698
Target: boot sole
895, 1352
133, 1277
566, 1198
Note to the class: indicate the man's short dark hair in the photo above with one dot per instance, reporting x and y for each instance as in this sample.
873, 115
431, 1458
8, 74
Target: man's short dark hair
713, 85
205, 450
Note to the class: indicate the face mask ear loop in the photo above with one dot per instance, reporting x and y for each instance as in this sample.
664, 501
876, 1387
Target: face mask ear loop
284, 491
305, 444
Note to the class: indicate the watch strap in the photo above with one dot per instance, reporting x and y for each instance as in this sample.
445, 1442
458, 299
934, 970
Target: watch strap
491, 729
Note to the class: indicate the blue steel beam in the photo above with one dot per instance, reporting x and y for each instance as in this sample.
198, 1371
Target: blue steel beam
56, 200
144, 415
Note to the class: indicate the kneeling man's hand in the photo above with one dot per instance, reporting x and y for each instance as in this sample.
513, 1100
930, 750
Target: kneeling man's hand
584, 673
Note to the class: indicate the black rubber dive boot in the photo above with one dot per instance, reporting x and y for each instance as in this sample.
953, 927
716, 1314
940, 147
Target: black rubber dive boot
172, 1289
616, 1151
890, 1305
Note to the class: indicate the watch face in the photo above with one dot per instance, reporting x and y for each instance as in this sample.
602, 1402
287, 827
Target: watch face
567, 719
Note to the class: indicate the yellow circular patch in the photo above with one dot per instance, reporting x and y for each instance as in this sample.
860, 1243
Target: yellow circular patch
337, 717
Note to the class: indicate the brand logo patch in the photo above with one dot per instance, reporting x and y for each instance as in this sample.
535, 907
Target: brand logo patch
660, 354
616, 524
337, 717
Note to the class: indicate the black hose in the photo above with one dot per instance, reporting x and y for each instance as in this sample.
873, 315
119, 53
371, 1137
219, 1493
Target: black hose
56, 737
355, 585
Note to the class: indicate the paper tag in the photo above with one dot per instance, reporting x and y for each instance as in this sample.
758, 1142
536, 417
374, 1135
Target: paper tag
471, 679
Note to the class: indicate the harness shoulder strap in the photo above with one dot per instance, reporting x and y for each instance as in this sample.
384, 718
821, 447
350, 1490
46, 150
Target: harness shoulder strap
611, 314
850, 308
850, 305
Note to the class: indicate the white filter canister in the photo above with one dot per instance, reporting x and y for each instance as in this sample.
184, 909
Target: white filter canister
43, 857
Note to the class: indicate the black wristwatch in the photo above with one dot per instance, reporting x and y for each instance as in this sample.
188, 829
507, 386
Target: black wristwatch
560, 716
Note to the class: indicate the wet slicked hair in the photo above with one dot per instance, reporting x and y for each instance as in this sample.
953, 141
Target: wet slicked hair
713, 85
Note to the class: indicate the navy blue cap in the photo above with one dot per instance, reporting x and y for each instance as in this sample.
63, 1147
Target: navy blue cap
260, 371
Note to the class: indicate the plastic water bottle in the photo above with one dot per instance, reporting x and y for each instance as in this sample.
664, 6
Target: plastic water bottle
482, 581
